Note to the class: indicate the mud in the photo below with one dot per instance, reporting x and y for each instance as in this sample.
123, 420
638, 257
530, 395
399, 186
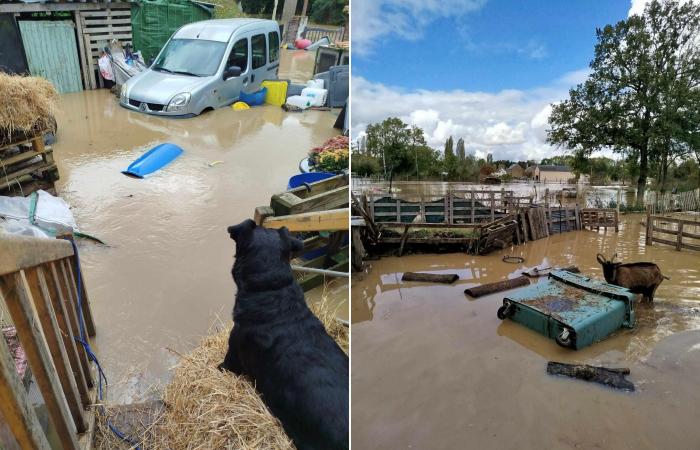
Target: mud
433, 368
165, 278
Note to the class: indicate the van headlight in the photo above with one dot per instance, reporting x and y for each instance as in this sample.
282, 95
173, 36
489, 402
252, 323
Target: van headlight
122, 94
179, 102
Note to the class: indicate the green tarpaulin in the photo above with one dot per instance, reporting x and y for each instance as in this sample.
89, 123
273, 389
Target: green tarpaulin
154, 21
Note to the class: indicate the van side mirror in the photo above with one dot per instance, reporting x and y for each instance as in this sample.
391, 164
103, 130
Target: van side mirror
233, 71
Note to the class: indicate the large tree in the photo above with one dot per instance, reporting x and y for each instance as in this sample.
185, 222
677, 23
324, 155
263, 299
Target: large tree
396, 145
642, 91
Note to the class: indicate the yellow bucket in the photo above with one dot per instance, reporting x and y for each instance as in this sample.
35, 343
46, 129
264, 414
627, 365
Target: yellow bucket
240, 106
276, 92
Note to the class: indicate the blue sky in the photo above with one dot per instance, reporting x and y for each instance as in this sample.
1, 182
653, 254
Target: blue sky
484, 70
506, 44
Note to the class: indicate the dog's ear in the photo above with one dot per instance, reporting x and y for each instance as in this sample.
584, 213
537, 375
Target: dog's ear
236, 231
613, 258
295, 245
601, 259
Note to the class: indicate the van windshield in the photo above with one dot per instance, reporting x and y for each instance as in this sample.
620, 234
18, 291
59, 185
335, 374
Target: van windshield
194, 57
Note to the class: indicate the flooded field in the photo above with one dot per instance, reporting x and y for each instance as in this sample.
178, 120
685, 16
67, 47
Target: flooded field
434, 368
164, 279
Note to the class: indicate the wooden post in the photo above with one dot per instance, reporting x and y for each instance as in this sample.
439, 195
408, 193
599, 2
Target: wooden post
649, 237
493, 204
473, 206
679, 236
398, 210
16, 411
42, 302
18, 298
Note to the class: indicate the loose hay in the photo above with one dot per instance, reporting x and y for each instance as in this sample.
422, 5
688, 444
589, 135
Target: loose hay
210, 409
28, 106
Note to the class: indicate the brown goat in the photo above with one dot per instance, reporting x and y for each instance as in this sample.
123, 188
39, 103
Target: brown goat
640, 278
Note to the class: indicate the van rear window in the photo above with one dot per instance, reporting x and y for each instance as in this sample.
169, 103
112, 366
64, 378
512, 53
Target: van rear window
259, 47
273, 40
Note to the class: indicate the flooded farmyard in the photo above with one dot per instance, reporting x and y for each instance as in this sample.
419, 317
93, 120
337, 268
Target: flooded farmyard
440, 370
163, 280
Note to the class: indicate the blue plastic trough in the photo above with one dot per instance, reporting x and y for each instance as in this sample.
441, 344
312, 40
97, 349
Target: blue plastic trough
154, 159
570, 308
307, 178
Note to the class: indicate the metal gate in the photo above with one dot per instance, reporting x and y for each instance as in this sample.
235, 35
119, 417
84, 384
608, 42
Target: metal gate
52, 52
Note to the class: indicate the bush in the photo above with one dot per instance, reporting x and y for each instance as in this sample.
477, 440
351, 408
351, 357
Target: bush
364, 165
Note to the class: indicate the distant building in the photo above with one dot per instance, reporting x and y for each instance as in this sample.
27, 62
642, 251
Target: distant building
516, 171
553, 174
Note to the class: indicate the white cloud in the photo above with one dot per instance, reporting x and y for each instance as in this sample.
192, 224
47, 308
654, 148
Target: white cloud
379, 19
511, 124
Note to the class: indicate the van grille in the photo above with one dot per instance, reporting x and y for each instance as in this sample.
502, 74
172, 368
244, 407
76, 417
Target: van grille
151, 106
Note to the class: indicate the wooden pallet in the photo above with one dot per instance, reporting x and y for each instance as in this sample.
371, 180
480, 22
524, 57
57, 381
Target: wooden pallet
19, 174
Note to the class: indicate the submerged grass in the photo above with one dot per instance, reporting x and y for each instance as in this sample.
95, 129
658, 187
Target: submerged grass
209, 409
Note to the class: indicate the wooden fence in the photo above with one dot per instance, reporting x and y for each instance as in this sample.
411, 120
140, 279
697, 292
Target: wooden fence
455, 208
675, 231
95, 30
39, 289
668, 202
599, 218
335, 34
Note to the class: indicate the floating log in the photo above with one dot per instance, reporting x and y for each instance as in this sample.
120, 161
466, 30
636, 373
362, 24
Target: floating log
614, 377
491, 288
430, 277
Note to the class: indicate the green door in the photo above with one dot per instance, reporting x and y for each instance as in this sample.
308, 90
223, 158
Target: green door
52, 52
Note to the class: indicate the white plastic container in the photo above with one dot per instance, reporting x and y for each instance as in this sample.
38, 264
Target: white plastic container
318, 84
318, 95
300, 101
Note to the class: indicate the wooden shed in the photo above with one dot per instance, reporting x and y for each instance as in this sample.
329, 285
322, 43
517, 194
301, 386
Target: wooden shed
61, 38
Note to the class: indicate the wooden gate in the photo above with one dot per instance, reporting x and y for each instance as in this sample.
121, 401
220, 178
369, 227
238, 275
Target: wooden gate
52, 52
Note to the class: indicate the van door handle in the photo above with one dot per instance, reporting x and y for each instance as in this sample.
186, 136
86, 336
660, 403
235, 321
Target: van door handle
252, 78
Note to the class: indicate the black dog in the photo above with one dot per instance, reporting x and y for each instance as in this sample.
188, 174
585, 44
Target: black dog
298, 369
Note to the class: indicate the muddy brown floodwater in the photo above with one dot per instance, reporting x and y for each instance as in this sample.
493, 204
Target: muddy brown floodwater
433, 368
165, 278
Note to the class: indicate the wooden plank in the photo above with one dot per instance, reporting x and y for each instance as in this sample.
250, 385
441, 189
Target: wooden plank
15, 409
18, 299
59, 307
62, 276
85, 303
679, 237
287, 203
335, 219
24, 156
90, 62
82, 54
44, 308
5, 183
318, 187
40, 7
21, 252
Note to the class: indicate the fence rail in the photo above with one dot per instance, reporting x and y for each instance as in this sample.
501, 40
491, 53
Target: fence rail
39, 289
686, 233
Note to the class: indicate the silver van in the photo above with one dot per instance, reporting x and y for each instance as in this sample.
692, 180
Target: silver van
206, 65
